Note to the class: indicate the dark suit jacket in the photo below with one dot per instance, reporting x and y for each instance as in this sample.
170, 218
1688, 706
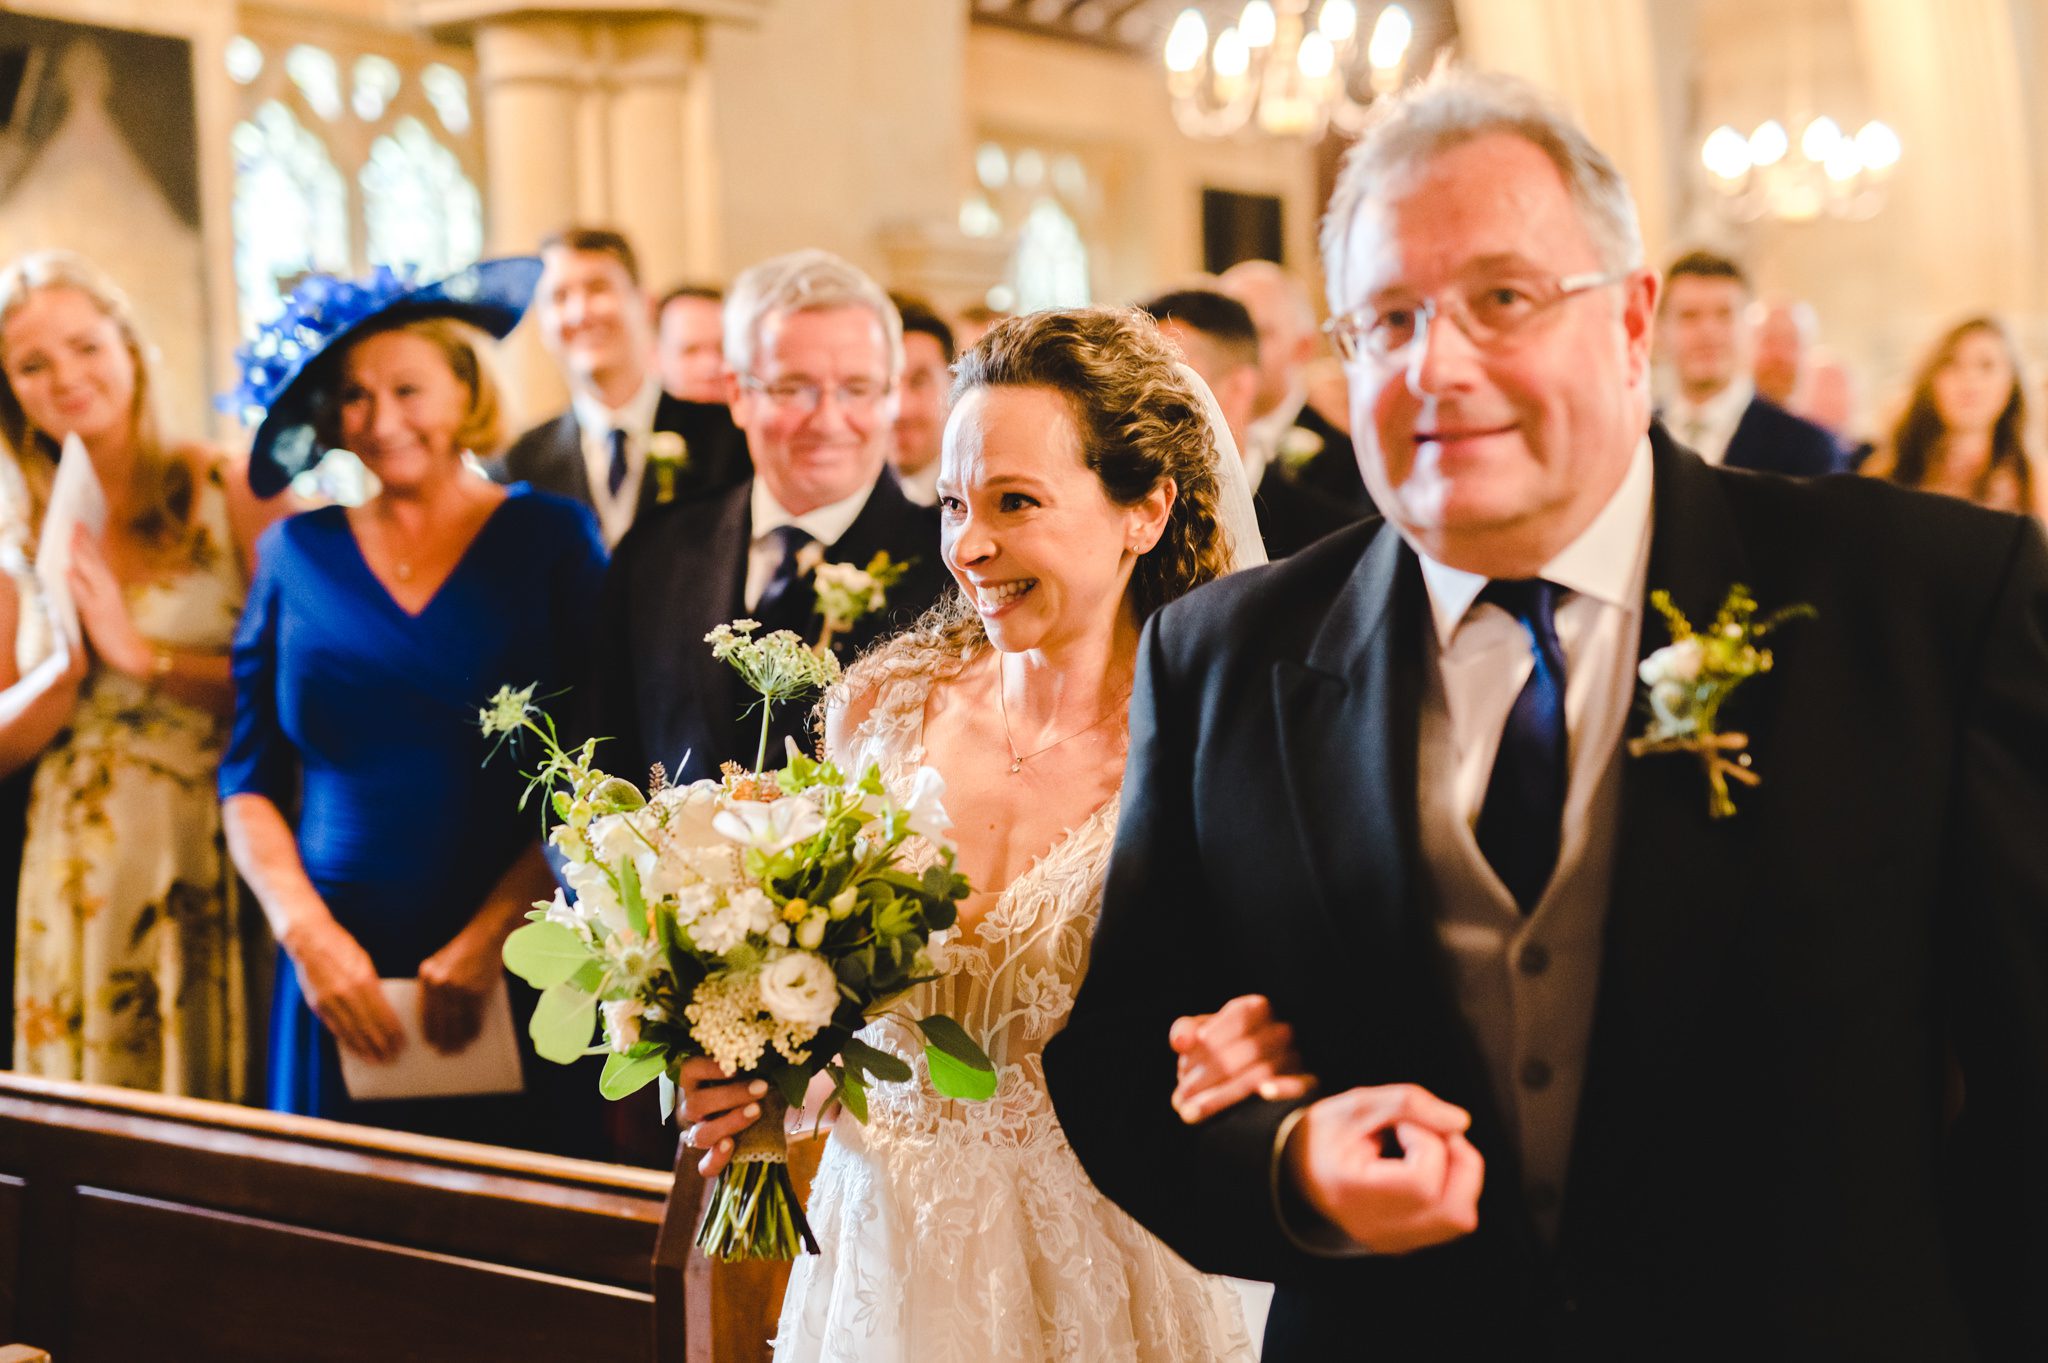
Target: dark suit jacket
657, 695
550, 456
1332, 471
1293, 516
1762, 1168
1770, 439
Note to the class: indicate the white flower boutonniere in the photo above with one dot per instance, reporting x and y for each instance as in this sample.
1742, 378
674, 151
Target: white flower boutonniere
847, 592
1298, 446
1687, 681
668, 454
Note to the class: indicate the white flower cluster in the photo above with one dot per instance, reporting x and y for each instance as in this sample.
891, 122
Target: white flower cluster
730, 1018
847, 592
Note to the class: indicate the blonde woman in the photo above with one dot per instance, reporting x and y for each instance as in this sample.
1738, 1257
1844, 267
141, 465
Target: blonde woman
127, 967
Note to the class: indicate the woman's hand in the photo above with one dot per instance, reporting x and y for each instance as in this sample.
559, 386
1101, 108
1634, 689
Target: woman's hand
1231, 1054
103, 609
454, 982
341, 985
715, 1107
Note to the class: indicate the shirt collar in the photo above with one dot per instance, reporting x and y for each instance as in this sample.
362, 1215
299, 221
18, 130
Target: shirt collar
636, 418
1601, 563
825, 524
1265, 432
1724, 408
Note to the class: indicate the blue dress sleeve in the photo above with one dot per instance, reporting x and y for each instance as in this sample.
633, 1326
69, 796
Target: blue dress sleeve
260, 759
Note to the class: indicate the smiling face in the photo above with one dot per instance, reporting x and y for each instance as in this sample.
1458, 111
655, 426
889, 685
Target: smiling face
401, 407
1973, 386
812, 457
1025, 527
595, 320
1494, 460
69, 365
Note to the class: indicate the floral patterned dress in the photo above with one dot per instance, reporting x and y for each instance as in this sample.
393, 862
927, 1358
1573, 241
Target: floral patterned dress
128, 966
968, 1232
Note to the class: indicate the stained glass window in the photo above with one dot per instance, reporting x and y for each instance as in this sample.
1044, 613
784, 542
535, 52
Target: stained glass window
1051, 265
291, 211
314, 71
418, 206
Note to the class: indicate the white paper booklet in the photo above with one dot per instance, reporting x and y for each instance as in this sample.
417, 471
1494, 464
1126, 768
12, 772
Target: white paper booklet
76, 498
489, 1064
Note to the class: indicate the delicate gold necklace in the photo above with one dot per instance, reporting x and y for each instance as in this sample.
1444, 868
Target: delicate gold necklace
1017, 759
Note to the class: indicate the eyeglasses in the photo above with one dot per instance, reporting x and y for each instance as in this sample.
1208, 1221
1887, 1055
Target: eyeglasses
796, 395
1490, 313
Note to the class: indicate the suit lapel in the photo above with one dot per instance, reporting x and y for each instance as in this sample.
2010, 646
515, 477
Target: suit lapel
1670, 914
1346, 717
704, 591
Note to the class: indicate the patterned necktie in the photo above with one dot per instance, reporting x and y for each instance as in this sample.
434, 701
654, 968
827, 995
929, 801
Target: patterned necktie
793, 538
1522, 818
616, 477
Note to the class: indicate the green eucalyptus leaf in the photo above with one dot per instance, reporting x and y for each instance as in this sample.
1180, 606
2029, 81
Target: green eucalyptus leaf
629, 896
545, 954
853, 1094
590, 977
562, 1023
960, 1068
623, 1074
874, 1062
790, 1081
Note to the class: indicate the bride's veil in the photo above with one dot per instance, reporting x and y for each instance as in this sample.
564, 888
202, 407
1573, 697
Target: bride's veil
1235, 514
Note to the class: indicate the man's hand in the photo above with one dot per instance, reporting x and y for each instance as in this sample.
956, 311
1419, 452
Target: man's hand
1391, 1202
1231, 1054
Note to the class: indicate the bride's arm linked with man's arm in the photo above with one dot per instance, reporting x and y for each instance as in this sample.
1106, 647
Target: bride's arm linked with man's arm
1276, 1188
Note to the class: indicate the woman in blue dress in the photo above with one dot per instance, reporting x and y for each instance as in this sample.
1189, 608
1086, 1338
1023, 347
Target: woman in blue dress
372, 637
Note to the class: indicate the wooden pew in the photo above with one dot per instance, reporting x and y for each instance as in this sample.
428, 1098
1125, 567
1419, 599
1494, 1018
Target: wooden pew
134, 1226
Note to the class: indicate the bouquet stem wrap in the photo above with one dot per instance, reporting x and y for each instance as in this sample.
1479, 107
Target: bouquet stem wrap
753, 1212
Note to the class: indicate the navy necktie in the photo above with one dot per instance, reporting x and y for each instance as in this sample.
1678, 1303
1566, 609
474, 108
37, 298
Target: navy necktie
793, 538
616, 477
1521, 820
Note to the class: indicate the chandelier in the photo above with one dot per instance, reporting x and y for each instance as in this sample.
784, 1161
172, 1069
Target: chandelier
1830, 173
1277, 71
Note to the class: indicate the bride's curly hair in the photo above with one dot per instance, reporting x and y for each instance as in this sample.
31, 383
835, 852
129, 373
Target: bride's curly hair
1140, 424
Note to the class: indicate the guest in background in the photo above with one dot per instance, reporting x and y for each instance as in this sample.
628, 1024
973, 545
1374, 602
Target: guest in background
1214, 333
596, 321
373, 636
689, 332
921, 404
1716, 411
1288, 432
815, 353
1964, 430
128, 966
1784, 332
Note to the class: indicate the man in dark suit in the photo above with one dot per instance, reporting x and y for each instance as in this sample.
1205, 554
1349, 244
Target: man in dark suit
1216, 336
1289, 434
624, 445
1765, 1086
1716, 411
814, 351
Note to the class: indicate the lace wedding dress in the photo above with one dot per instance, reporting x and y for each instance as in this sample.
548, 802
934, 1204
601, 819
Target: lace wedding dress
968, 1232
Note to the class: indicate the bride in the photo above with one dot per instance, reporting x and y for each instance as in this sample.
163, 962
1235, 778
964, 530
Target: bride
1080, 487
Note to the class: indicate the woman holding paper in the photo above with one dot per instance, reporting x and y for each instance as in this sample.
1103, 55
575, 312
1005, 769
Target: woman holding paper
373, 637
128, 967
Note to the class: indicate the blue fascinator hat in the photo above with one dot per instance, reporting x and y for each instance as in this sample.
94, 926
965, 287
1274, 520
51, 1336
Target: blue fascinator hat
287, 371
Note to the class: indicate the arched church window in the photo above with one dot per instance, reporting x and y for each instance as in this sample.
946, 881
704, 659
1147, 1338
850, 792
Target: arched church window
244, 60
418, 205
449, 94
376, 82
1050, 268
291, 211
313, 70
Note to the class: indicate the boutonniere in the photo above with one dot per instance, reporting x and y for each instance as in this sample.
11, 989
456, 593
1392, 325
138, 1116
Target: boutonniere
1687, 681
1298, 446
668, 454
845, 592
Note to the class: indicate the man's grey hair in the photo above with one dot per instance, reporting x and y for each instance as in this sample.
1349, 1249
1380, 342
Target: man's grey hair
1455, 105
803, 281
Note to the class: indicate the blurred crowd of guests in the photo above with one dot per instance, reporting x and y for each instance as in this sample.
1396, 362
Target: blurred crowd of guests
270, 698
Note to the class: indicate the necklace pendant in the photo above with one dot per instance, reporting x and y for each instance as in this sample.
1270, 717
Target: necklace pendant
1016, 765
403, 572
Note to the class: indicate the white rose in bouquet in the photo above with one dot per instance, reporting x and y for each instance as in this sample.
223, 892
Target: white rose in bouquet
800, 988
622, 1023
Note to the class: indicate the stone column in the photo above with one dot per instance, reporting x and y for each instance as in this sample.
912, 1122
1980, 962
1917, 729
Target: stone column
595, 112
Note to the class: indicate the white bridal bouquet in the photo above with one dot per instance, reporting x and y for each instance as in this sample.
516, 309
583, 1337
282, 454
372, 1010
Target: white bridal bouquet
759, 919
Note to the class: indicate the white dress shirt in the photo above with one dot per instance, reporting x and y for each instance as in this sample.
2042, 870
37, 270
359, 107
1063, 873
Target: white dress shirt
1263, 435
825, 525
595, 423
1707, 427
921, 487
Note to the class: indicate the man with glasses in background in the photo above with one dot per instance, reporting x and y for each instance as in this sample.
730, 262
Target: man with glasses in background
814, 354
1652, 1019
